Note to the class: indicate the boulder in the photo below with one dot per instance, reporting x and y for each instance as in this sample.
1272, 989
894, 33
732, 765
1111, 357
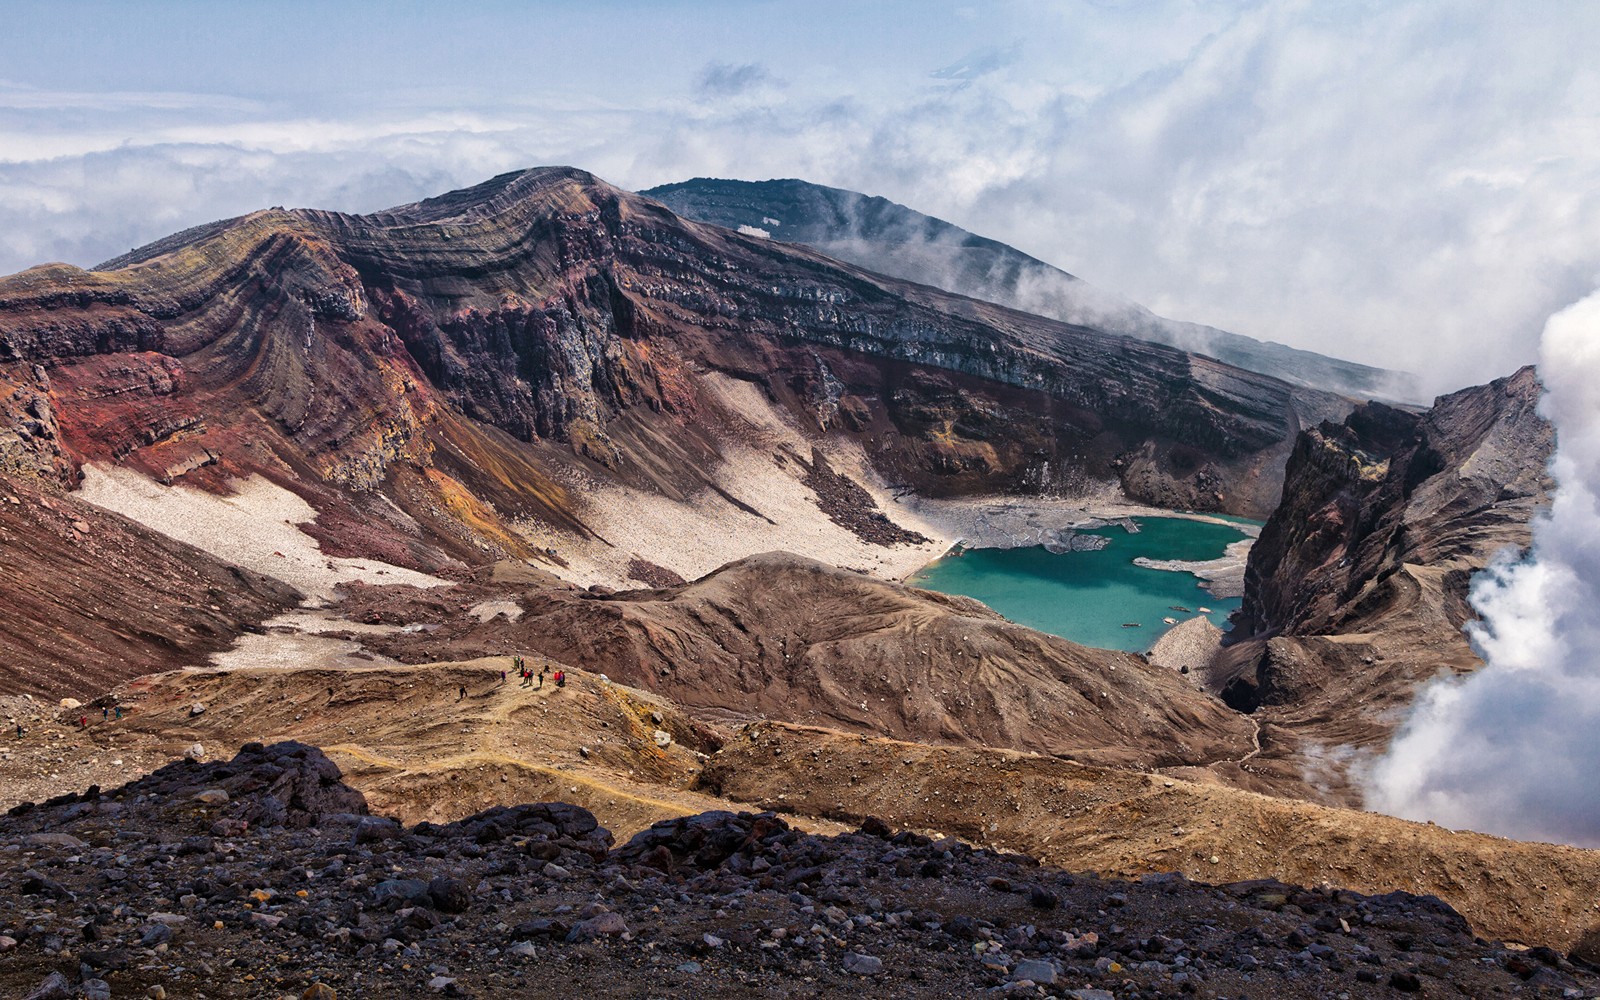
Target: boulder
704, 841
449, 895
54, 987
398, 892
599, 925
863, 965
1036, 970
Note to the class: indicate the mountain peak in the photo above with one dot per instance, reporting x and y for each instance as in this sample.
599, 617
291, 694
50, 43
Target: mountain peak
495, 195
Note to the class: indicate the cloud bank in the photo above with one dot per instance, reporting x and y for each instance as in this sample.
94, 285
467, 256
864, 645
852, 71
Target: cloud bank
1407, 184
1514, 749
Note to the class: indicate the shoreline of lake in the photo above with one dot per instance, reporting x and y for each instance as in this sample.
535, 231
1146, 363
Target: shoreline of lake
1054, 523
1097, 594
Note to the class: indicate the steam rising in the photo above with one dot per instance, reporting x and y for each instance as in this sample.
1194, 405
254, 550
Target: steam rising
1514, 749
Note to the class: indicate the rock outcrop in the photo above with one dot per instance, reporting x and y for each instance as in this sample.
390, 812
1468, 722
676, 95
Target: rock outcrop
1389, 488
1357, 589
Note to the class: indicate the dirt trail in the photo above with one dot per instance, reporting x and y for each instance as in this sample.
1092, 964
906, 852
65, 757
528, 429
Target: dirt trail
403, 735
1255, 743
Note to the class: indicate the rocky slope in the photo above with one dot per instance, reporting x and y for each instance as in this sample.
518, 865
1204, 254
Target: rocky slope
91, 597
1357, 589
158, 887
420, 750
780, 636
879, 235
1131, 824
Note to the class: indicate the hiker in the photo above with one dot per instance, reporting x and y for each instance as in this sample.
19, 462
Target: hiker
541, 678
119, 713
105, 713
463, 693
502, 677
561, 678
19, 730
83, 722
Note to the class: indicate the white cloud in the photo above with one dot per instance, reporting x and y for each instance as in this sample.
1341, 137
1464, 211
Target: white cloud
720, 79
1514, 748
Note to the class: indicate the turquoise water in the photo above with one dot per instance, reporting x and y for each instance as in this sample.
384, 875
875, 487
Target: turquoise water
1087, 596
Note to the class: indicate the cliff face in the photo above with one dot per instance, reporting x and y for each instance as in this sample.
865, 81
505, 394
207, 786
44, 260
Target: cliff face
548, 304
1357, 590
1387, 488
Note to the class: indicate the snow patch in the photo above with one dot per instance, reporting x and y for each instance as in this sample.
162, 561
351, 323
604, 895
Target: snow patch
254, 528
487, 611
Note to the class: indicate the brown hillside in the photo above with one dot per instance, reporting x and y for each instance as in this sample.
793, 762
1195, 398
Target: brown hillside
784, 637
90, 598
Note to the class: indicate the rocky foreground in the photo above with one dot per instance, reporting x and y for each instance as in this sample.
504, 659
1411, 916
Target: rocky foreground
266, 876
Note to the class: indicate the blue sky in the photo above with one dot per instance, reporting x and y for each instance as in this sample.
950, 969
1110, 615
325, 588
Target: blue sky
1410, 183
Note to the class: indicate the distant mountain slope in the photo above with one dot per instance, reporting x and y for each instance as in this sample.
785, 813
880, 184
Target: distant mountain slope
92, 598
891, 239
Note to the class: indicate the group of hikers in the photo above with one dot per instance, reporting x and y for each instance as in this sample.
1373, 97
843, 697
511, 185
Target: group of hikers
526, 673
107, 714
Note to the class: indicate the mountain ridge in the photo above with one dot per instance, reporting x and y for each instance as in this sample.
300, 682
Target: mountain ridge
881, 235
